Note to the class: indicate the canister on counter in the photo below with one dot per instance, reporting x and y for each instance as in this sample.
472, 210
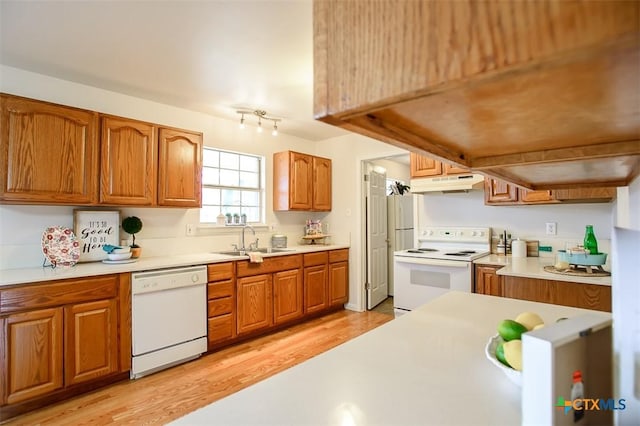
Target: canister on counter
518, 248
279, 241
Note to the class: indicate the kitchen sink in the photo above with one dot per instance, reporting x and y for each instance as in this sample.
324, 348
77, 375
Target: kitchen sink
266, 250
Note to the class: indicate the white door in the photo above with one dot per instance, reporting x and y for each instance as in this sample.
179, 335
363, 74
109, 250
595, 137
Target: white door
377, 280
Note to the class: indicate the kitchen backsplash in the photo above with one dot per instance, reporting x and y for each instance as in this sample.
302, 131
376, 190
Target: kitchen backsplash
163, 232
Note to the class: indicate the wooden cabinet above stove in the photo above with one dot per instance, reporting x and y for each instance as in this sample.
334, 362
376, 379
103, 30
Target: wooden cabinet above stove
542, 94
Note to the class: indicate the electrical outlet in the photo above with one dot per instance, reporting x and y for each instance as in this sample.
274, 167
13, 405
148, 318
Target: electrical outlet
551, 228
191, 229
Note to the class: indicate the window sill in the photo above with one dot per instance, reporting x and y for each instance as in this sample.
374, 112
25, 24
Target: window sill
212, 229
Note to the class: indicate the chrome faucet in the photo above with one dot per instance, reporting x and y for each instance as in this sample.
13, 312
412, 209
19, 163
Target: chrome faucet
243, 248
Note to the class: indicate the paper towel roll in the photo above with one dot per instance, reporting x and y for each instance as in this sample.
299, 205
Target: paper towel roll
518, 248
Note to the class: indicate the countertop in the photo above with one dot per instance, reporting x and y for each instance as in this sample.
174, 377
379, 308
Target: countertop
533, 267
38, 274
425, 367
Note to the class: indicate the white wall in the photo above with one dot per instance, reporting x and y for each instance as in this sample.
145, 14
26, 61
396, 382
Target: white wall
348, 153
164, 230
526, 222
394, 170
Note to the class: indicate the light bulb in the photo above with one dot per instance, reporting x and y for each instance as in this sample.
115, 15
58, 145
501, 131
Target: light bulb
242, 122
275, 129
259, 130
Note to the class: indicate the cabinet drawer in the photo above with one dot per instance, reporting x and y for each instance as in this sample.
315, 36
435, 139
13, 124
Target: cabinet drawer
219, 306
220, 289
269, 265
312, 259
56, 293
339, 255
220, 328
220, 271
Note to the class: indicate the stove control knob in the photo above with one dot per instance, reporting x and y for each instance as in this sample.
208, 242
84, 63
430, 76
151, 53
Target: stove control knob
429, 232
474, 233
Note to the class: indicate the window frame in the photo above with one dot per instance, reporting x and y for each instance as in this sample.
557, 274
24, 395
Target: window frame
261, 189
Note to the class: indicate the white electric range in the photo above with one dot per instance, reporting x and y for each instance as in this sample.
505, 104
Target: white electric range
442, 262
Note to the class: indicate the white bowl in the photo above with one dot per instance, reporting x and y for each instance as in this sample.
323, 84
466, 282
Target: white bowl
119, 256
121, 250
490, 350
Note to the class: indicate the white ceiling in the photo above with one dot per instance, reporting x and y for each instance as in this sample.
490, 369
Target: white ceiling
207, 56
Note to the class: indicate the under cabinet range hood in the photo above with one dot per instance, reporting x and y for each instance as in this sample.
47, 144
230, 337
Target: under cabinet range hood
451, 183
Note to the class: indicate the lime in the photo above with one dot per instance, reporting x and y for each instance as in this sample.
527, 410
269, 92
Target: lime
500, 354
510, 330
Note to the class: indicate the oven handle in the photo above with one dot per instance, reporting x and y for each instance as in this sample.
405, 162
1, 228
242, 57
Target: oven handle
431, 262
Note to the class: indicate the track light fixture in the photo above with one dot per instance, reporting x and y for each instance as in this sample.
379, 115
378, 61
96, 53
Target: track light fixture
262, 115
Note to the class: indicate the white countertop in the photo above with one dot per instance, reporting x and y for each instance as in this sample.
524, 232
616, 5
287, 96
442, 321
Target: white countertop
533, 267
29, 275
426, 367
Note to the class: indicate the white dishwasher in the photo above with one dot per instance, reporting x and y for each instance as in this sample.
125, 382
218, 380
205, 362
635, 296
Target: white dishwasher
169, 318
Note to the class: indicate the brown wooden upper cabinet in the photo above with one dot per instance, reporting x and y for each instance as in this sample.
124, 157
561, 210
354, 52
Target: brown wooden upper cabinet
180, 168
424, 166
49, 153
301, 182
498, 192
56, 154
128, 171
523, 93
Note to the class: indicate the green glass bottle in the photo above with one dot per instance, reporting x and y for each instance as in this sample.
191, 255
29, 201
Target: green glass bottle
590, 242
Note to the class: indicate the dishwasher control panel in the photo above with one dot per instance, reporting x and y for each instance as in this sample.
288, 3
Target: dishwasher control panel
166, 279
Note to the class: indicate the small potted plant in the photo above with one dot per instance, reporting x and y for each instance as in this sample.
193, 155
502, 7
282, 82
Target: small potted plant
399, 188
229, 218
132, 225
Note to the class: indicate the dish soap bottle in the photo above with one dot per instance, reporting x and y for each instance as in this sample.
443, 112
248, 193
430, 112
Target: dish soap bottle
590, 242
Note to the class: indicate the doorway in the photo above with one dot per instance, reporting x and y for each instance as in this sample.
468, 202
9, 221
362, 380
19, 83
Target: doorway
377, 173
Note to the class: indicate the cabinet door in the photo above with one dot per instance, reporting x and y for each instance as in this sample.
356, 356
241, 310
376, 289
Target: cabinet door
338, 283
321, 184
91, 340
287, 296
255, 303
528, 196
497, 191
127, 162
315, 288
487, 281
300, 181
32, 354
180, 168
586, 296
422, 166
48, 153
448, 169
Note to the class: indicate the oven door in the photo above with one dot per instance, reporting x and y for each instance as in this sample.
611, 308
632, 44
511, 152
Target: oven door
418, 280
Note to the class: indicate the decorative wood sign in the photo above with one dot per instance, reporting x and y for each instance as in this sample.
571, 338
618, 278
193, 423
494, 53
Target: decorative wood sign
94, 229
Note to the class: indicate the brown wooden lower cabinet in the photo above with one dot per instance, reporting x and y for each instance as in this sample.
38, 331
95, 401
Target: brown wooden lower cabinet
91, 340
315, 288
587, 296
578, 295
221, 303
338, 277
488, 281
287, 296
60, 337
34, 354
255, 306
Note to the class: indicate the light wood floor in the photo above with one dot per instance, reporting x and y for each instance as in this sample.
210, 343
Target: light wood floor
167, 395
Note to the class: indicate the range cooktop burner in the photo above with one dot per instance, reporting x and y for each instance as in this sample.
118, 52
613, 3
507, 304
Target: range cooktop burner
421, 250
461, 253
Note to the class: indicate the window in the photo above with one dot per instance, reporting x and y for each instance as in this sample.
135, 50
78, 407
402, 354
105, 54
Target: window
232, 183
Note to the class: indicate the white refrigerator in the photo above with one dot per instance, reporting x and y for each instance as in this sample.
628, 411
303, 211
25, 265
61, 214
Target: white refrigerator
399, 228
